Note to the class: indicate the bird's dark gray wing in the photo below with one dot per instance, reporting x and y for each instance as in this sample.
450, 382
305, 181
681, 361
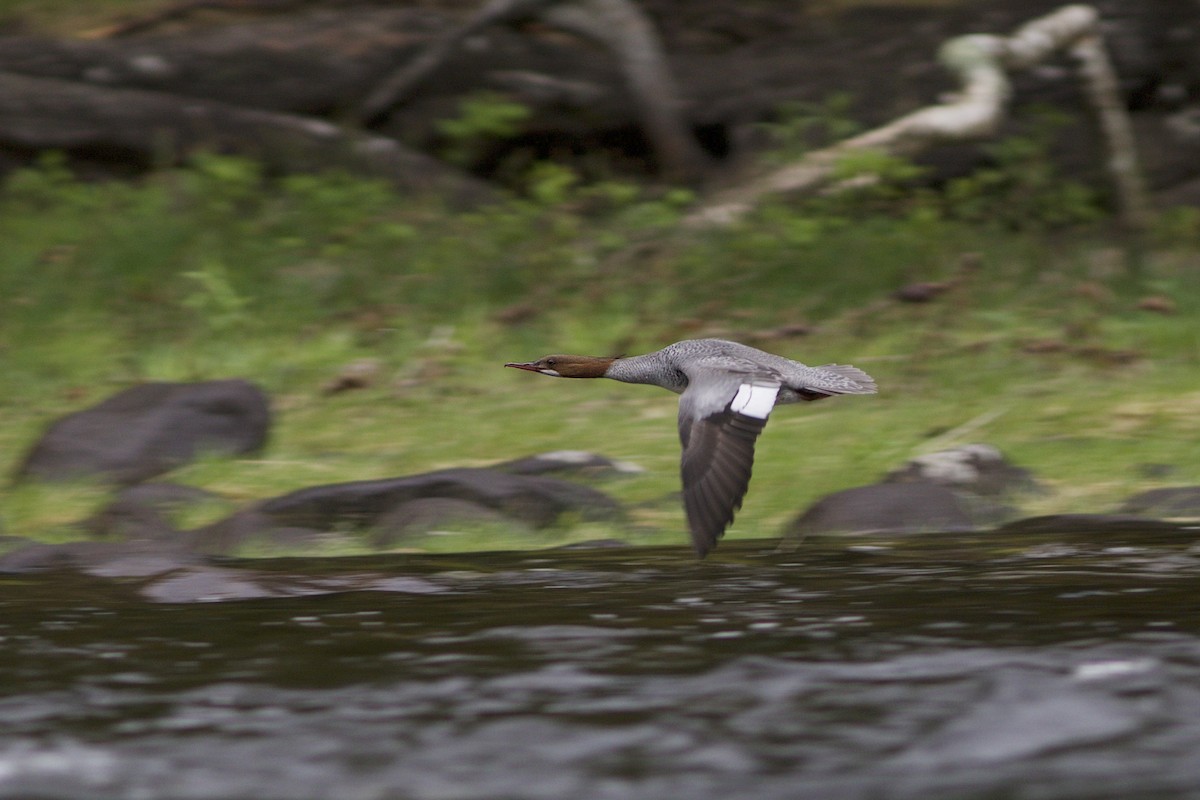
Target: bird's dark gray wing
721, 415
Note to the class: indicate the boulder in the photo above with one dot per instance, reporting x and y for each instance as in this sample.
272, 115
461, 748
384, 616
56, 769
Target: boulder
250, 529
205, 583
1092, 524
1177, 501
144, 511
212, 584
569, 462
8, 543
150, 429
977, 468
102, 559
164, 573
534, 499
434, 513
885, 508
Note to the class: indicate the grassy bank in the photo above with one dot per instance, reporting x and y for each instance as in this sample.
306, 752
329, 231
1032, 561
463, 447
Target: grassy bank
1039, 347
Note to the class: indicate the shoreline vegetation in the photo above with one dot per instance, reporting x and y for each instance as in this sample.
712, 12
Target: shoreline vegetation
1002, 307
1035, 329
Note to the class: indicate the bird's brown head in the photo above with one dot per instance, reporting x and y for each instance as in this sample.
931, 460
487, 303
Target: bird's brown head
567, 366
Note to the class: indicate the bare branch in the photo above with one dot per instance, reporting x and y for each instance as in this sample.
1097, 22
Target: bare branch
616, 24
980, 61
395, 89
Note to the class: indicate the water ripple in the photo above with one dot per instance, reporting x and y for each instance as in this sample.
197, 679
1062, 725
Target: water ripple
944, 668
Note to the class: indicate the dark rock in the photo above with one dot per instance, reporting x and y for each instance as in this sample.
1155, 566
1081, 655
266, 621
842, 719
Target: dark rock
8, 543
594, 544
1179, 501
208, 584
252, 529
103, 559
433, 513
569, 462
314, 512
150, 429
885, 508
144, 511
1092, 524
212, 584
977, 468
534, 499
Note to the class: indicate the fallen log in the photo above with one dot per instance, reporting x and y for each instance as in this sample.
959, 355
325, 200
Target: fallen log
156, 128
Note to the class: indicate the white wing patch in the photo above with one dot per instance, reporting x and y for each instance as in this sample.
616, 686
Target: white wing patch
754, 400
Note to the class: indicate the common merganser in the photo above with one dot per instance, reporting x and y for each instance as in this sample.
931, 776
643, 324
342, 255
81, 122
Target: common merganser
727, 391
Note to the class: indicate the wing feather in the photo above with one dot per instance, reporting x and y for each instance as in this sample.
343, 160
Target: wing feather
718, 457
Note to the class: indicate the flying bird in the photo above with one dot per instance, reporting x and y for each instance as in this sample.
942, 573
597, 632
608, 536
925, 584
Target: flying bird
727, 390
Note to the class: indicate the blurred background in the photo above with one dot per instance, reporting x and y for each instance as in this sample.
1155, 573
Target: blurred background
365, 209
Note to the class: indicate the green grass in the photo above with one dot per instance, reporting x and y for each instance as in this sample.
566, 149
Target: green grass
216, 271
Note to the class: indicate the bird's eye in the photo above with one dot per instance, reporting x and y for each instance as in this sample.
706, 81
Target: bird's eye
551, 362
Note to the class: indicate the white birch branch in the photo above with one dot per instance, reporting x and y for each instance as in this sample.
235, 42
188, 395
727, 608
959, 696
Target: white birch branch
1101, 82
981, 62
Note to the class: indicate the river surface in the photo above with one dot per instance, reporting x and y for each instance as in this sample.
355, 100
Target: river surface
930, 667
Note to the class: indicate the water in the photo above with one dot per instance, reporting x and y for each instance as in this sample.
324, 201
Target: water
935, 667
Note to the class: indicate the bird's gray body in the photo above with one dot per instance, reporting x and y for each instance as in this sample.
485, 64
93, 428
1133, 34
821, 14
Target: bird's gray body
727, 392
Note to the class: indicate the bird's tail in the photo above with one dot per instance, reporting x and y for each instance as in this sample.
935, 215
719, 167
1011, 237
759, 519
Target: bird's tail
842, 379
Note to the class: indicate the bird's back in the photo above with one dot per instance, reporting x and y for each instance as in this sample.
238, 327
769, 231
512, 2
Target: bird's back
798, 379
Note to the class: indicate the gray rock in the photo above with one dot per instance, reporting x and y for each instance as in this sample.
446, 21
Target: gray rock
251, 529
434, 513
977, 468
595, 544
1093, 524
569, 462
8, 543
151, 429
209, 584
1178, 501
144, 511
214, 584
534, 499
885, 508
104, 559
